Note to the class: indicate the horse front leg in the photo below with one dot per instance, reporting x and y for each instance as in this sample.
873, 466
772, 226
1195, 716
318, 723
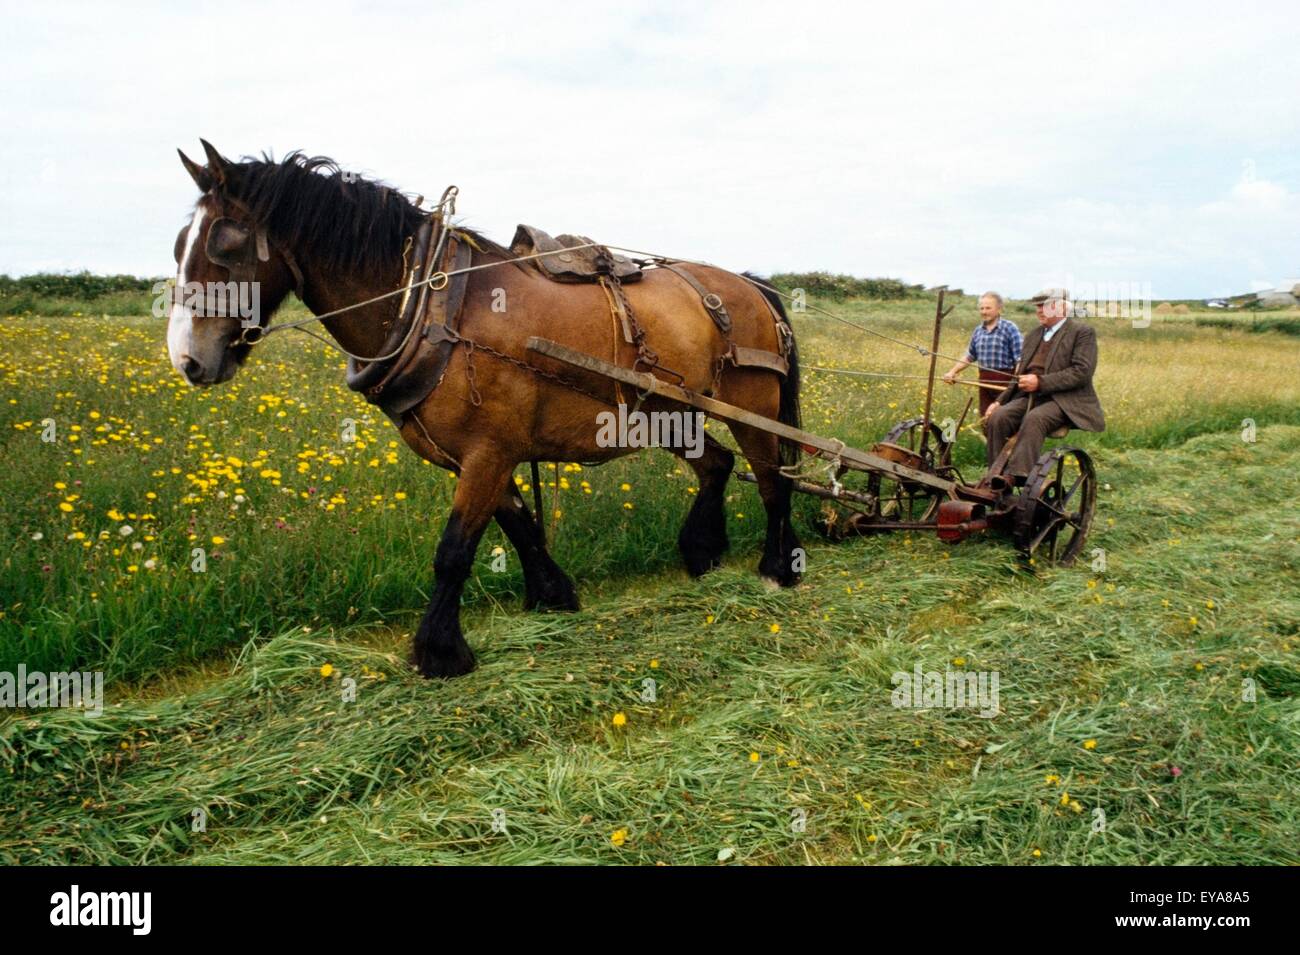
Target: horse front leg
546, 586
439, 648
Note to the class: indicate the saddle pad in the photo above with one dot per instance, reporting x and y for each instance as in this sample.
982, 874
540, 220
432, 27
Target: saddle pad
578, 265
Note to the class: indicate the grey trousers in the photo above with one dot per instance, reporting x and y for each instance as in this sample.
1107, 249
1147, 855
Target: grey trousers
1034, 425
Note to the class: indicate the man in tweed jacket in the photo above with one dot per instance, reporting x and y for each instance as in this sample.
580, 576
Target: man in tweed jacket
1053, 387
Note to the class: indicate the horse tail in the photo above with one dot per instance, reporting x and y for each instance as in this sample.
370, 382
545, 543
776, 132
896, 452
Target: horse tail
789, 412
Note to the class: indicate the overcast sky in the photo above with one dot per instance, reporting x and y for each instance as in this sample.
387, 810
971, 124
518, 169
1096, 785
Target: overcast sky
986, 146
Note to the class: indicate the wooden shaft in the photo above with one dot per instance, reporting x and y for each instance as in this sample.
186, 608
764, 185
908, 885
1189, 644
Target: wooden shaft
642, 381
939, 314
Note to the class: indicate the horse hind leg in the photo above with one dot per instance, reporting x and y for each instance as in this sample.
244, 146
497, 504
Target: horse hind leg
782, 559
546, 586
703, 537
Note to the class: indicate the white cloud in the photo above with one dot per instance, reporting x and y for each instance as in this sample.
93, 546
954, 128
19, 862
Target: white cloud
990, 146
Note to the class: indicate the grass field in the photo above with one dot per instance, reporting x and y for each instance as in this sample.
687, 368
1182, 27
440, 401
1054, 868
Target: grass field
771, 738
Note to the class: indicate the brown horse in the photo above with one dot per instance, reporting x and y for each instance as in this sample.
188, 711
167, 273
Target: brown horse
298, 224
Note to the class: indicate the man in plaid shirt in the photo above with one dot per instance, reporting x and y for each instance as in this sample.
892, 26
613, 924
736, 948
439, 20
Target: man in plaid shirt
995, 346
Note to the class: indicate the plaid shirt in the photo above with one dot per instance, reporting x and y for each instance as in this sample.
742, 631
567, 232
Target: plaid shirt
998, 349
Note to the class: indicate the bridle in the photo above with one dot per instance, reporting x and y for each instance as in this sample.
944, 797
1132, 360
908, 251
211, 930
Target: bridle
436, 227
238, 248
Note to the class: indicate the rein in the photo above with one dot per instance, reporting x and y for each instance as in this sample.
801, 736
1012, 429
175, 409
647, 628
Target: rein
438, 281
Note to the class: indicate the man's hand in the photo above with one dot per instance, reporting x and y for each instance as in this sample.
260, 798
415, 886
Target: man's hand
1029, 383
950, 377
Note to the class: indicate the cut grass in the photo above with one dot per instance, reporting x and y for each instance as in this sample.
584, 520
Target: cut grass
1184, 770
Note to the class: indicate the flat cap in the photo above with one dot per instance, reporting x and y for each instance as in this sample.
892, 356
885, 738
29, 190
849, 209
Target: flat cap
1049, 295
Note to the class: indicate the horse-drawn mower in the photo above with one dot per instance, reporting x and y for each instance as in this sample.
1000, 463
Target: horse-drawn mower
907, 481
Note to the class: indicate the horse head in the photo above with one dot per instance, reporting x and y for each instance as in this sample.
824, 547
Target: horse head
230, 276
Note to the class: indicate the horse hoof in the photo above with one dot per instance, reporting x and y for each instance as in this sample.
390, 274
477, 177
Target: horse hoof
567, 604
459, 662
781, 578
699, 566
559, 597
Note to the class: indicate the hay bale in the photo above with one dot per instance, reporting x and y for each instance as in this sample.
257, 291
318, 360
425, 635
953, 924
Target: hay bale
1164, 308
1181, 309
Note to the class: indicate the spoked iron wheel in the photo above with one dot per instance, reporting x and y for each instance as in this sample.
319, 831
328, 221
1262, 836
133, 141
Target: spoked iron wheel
903, 501
894, 500
1056, 506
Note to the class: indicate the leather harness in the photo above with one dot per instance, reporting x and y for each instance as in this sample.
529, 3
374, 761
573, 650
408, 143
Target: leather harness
419, 345
577, 259
402, 381
240, 261
738, 355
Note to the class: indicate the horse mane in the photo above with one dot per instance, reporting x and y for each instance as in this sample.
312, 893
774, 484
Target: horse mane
347, 224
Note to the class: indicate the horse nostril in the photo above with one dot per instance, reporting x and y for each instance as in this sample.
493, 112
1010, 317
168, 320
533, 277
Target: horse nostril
191, 368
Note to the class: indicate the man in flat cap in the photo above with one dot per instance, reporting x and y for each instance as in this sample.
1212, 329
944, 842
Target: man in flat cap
1052, 389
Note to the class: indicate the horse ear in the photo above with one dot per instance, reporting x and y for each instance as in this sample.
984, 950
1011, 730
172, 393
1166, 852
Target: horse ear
217, 166
197, 172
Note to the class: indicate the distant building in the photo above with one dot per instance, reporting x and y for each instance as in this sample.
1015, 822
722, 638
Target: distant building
1286, 295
